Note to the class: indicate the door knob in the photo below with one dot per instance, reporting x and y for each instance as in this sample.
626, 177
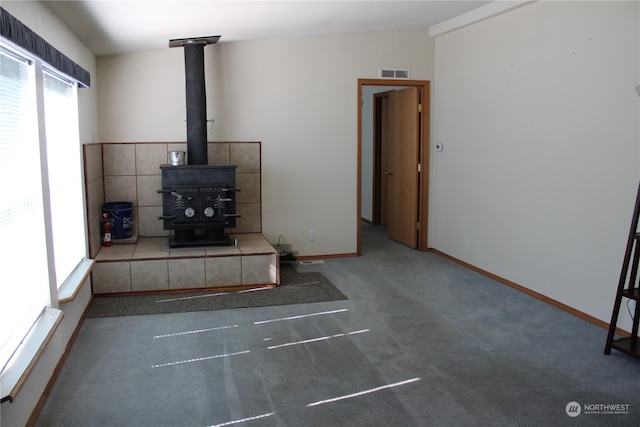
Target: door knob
387, 173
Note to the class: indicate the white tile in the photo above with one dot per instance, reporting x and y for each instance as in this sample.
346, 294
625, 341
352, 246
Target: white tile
149, 275
223, 271
95, 198
149, 157
246, 155
116, 252
111, 277
148, 223
218, 153
119, 159
120, 189
148, 186
249, 184
153, 244
186, 273
93, 162
250, 221
259, 269
95, 237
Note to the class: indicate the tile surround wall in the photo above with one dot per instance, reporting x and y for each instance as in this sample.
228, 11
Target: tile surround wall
131, 172
94, 193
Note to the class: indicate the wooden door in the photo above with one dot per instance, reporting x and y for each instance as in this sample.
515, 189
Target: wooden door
403, 157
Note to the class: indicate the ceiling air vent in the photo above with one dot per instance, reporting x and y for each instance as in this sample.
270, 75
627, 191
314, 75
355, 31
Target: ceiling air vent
394, 73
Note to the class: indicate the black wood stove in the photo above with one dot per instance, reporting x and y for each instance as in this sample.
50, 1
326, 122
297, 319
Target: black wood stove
198, 199
199, 202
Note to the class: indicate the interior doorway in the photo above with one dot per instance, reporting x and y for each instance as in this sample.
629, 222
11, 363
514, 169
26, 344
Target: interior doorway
374, 172
380, 166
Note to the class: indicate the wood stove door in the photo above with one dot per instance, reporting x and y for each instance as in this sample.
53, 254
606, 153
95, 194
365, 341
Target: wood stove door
402, 175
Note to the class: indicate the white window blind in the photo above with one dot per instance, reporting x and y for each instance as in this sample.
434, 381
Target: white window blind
64, 173
24, 290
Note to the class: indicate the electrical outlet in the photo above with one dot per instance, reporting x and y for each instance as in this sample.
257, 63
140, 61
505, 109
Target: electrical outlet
465, 240
312, 235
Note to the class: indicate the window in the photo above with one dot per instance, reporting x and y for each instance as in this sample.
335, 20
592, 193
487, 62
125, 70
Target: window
22, 243
42, 227
65, 179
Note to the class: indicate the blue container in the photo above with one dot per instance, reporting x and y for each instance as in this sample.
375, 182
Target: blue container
119, 214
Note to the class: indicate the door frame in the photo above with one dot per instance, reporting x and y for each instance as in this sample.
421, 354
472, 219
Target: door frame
425, 130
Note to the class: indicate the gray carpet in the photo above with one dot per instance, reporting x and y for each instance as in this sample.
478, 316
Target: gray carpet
421, 341
295, 288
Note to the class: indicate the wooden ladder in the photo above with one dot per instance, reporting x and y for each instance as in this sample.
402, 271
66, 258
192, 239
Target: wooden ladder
628, 288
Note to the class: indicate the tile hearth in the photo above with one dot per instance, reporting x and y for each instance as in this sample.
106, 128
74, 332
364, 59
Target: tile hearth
150, 265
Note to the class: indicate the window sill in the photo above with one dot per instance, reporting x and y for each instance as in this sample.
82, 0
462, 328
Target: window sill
24, 360
74, 282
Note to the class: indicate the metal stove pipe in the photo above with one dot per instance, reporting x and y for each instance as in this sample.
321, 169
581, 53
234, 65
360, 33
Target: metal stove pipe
196, 97
196, 104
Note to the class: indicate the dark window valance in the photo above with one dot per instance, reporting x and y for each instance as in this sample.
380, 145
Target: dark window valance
21, 35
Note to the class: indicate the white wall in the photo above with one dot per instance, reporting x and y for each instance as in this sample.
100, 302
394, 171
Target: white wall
40, 19
298, 96
540, 123
142, 97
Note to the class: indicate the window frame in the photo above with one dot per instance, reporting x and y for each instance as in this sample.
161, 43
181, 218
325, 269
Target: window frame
20, 362
79, 199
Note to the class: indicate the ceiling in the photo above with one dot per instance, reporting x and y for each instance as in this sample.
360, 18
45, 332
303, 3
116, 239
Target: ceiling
111, 27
